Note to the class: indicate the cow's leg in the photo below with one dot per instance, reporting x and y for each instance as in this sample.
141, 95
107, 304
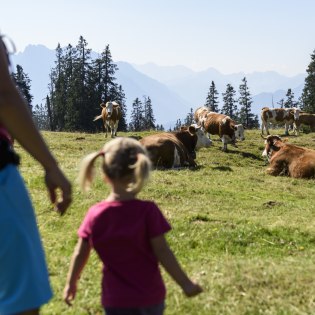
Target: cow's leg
296, 128
105, 127
262, 127
224, 147
286, 129
115, 129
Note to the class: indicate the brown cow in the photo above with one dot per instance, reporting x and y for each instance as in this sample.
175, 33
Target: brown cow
222, 125
172, 149
288, 159
111, 113
281, 116
304, 119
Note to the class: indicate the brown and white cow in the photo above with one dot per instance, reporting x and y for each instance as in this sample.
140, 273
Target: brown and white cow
172, 149
223, 126
200, 114
111, 114
288, 159
278, 116
304, 119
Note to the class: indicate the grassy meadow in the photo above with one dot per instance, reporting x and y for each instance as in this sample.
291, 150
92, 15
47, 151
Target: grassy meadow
248, 238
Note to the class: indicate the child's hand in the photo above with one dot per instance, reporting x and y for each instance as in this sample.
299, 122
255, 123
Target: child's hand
69, 293
191, 289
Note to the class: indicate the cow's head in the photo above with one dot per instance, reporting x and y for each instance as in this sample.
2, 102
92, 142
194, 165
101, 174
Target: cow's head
188, 136
109, 109
271, 145
295, 112
203, 141
239, 132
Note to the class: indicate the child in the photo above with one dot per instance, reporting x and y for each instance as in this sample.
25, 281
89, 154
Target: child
127, 234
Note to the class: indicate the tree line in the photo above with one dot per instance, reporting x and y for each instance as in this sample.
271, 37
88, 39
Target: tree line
78, 84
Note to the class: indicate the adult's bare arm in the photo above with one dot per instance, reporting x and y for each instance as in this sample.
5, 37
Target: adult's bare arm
15, 116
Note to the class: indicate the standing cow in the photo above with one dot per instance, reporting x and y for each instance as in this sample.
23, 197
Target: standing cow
285, 116
111, 114
223, 126
288, 159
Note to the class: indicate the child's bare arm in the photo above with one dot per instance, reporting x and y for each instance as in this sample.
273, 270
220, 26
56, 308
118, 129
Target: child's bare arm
78, 261
171, 265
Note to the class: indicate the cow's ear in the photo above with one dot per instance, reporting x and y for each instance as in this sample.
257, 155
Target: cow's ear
285, 140
192, 129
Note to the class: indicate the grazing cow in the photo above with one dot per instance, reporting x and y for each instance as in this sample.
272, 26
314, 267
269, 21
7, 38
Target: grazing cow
304, 119
288, 159
285, 116
222, 125
111, 113
172, 149
200, 114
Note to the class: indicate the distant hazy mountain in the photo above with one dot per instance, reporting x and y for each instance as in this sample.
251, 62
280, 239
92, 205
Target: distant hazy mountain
194, 86
173, 90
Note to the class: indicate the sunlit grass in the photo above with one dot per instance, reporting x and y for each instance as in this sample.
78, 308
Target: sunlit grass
247, 237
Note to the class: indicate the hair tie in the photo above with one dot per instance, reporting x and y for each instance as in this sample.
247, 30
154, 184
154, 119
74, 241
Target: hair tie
101, 152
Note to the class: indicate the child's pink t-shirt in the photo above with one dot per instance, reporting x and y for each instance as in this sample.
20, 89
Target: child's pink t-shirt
120, 232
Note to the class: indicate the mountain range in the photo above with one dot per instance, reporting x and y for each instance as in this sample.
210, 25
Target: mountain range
173, 90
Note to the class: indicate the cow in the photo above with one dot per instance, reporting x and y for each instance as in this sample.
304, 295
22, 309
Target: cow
200, 114
288, 159
285, 116
111, 114
172, 149
223, 126
304, 119
202, 140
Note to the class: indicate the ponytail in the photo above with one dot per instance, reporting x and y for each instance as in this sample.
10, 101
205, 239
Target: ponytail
141, 172
86, 173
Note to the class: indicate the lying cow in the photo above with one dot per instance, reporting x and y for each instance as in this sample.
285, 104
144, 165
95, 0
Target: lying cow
223, 126
277, 116
111, 113
304, 119
288, 159
172, 149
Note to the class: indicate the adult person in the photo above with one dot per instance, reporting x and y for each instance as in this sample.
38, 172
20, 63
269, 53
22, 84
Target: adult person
24, 280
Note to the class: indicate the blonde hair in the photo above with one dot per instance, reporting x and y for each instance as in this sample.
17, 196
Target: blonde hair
123, 158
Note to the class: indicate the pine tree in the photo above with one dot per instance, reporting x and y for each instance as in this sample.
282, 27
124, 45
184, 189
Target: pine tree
136, 123
308, 94
23, 83
40, 116
178, 125
149, 120
107, 70
246, 117
58, 87
281, 103
189, 118
212, 98
290, 102
121, 99
229, 102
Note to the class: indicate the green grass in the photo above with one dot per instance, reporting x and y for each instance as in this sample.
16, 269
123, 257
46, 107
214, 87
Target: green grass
247, 237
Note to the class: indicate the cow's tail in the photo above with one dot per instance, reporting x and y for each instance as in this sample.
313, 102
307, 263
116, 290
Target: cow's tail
97, 117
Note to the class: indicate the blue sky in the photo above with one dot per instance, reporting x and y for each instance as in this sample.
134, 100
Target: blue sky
228, 35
